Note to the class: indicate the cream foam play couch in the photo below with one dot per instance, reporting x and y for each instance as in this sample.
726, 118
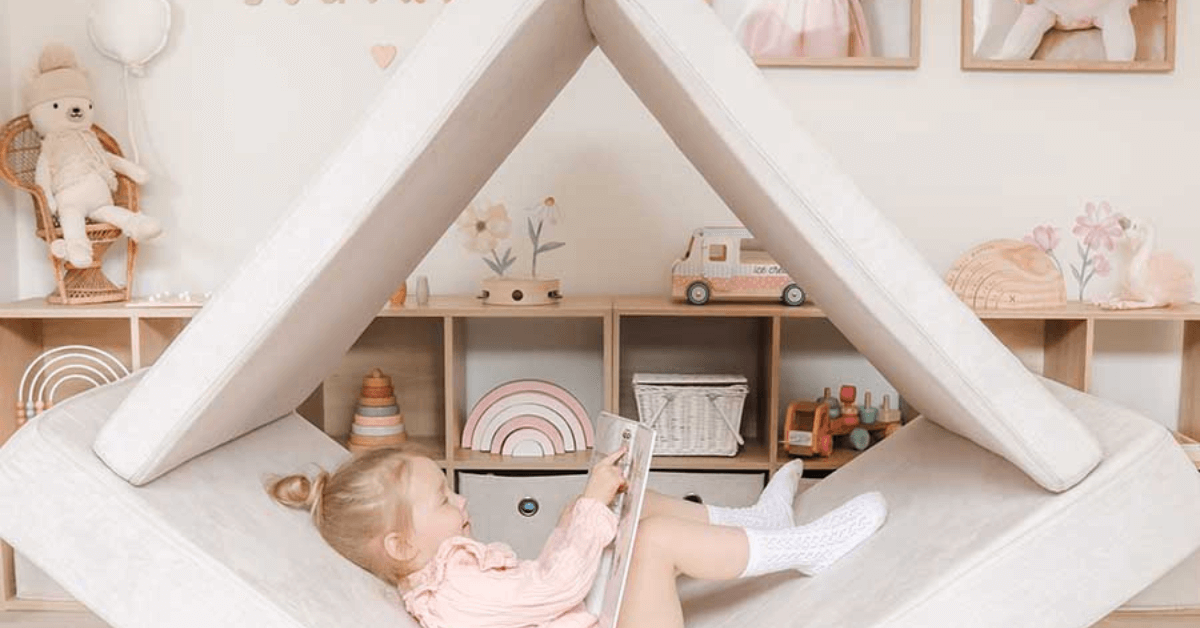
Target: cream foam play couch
1015, 501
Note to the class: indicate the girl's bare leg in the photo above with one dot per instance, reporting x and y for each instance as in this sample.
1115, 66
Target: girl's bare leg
656, 504
773, 509
669, 546
665, 548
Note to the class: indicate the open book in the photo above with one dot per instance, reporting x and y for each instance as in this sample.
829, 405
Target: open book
613, 432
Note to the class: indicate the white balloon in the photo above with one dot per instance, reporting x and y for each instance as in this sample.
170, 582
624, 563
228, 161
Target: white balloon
130, 31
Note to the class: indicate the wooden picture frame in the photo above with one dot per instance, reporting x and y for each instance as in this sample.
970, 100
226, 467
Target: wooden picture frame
1081, 50
898, 47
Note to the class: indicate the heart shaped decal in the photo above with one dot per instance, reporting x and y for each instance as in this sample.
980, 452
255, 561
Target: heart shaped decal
383, 55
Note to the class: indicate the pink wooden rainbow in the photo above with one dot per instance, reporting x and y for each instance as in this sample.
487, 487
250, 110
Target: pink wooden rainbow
531, 422
516, 443
558, 403
537, 404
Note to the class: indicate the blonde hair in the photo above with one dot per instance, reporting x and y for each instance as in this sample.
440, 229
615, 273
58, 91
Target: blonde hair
354, 508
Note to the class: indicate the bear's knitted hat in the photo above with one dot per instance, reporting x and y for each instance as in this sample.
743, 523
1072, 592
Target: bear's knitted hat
58, 76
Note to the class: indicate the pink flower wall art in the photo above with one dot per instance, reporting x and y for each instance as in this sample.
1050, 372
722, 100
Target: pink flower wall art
484, 228
1098, 229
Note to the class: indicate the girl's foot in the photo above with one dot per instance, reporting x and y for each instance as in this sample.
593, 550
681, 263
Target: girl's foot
812, 548
774, 507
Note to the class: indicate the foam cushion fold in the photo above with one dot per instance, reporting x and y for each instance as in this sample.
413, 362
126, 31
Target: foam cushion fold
971, 541
445, 120
873, 284
204, 546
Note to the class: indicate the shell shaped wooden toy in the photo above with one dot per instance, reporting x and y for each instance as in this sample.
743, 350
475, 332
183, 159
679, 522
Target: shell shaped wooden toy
1007, 275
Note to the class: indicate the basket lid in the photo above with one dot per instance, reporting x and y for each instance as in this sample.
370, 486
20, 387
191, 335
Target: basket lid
652, 379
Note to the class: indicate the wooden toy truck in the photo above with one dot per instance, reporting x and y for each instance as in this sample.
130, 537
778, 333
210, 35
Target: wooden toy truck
810, 430
727, 263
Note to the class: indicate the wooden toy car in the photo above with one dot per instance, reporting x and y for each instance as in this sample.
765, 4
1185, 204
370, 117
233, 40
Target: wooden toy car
728, 263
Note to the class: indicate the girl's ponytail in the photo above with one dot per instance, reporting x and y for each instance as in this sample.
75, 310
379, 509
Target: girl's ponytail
298, 491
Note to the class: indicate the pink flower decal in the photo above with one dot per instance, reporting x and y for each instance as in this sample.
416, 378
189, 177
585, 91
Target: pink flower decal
1044, 237
1098, 226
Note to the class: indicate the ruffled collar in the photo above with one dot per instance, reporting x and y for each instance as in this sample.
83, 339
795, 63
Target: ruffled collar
458, 551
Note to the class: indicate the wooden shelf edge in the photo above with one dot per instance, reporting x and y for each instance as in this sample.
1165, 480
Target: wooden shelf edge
1190, 446
58, 606
597, 306
752, 458
1083, 311
429, 446
840, 458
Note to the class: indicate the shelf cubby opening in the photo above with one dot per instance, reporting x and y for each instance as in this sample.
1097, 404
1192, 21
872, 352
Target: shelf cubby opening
1058, 348
811, 349
411, 352
717, 345
22, 340
1189, 389
1137, 364
567, 351
153, 337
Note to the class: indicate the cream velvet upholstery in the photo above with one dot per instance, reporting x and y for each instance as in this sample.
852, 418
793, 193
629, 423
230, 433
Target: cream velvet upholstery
859, 268
450, 114
973, 537
445, 121
970, 540
201, 547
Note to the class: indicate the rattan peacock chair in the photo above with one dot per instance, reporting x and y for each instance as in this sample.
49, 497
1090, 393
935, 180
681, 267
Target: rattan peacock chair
19, 148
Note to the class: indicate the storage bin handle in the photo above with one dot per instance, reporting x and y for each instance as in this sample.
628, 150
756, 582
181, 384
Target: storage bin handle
712, 398
654, 419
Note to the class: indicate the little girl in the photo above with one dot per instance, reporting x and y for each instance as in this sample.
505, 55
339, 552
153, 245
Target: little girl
394, 515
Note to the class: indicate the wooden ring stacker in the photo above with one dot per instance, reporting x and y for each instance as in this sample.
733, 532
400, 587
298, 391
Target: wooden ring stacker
373, 430
377, 380
377, 411
379, 421
379, 440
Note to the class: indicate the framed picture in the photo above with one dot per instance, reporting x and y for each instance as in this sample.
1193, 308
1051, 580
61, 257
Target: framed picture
1092, 35
826, 33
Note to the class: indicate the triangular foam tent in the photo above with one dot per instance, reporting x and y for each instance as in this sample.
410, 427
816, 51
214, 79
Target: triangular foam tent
1016, 501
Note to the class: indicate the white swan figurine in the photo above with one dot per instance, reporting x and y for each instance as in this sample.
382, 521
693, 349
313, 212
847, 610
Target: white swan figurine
1154, 278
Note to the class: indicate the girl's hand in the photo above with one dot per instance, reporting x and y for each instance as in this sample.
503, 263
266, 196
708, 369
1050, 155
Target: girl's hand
606, 479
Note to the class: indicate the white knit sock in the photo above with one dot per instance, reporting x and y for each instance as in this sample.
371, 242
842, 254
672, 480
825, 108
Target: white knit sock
811, 548
774, 507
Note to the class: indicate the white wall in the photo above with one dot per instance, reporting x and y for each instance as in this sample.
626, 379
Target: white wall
8, 219
246, 102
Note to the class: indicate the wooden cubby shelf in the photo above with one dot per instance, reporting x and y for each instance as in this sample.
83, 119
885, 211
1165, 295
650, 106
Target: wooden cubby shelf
590, 345
425, 347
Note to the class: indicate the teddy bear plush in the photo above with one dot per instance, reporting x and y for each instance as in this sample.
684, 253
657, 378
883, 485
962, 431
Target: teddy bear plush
1037, 17
76, 173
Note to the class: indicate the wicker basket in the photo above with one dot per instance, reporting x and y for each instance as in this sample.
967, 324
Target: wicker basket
694, 415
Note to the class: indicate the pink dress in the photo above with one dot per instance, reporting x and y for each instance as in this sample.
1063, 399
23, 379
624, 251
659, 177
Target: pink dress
472, 585
804, 28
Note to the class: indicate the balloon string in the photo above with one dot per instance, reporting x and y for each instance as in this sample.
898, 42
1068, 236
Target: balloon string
129, 118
